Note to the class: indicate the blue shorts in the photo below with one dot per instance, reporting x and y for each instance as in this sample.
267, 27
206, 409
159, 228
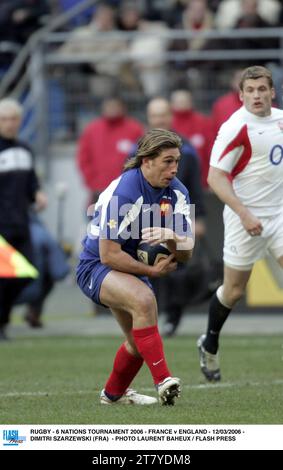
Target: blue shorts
90, 275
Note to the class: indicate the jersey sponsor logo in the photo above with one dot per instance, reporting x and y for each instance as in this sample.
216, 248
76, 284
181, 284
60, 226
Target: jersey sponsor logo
165, 207
131, 214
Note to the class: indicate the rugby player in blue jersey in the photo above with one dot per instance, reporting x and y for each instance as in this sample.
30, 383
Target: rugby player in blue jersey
147, 202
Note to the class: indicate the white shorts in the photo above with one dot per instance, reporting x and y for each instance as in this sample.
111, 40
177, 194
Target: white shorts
241, 250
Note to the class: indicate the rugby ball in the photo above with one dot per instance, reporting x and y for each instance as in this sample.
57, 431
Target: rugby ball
151, 255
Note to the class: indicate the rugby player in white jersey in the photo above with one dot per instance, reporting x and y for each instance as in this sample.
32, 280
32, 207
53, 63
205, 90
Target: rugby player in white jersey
246, 173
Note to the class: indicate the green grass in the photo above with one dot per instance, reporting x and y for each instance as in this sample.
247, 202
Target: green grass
58, 380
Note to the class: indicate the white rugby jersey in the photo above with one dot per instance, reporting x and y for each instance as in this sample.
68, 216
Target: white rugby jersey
250, 149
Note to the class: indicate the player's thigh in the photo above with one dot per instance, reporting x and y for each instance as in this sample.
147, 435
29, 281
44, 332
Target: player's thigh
235, 281
275, 245
128, 293
240, 250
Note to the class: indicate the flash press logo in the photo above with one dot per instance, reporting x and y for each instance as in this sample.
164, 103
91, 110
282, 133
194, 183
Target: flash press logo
11, 437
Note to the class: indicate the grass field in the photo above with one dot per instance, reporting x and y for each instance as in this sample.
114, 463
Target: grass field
58, 380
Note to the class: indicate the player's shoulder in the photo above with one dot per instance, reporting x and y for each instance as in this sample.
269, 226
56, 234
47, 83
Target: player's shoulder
130, 175
125, 188
176, 184
237, 118
128, 184
277, 113
235, 122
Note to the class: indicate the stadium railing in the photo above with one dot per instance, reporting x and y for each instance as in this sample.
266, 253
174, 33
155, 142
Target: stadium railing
43, 80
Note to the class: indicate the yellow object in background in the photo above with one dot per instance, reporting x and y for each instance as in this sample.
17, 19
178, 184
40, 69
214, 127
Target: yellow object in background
13, 263
265, 287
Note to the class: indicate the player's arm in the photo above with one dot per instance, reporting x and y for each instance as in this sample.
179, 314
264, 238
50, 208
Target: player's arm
41, 200
111, 254
226, 153
219, 182
112, 236
34, 192
180, 246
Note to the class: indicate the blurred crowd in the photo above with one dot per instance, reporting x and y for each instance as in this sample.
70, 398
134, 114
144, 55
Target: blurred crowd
20, 18
103, 61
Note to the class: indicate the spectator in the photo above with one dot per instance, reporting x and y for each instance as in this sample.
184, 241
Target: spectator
50, 261
229, 11
159, 115
196, 17
19, 188
251, 18
177, 291
146, 49
193, 125
20, 18
105, 144
89, 40
101, 75
173, 15
227, 104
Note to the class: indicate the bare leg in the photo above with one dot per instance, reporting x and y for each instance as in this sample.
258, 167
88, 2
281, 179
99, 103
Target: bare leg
134, 305
127, 293
280, 261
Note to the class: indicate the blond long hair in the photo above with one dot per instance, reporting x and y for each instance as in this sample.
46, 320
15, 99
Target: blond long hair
151, 145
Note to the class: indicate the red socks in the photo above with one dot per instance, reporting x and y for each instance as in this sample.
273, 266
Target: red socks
149, 344
125, 368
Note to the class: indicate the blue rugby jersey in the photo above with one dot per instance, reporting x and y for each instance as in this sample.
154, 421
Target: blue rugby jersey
129, 204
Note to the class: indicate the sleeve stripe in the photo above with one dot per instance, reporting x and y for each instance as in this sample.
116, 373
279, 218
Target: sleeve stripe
131, 215
241, 139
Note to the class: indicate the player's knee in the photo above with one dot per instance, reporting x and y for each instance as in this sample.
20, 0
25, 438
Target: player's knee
235, 294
